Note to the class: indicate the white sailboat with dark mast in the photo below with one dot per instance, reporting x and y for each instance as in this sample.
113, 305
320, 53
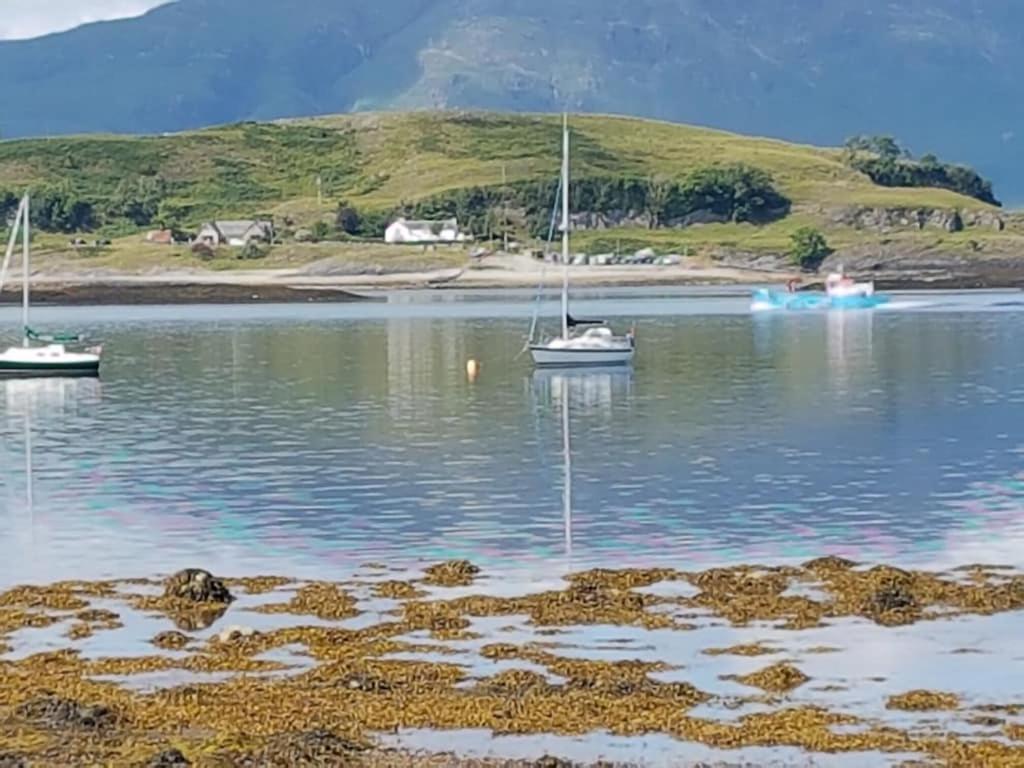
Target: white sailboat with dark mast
597, 345
52, 359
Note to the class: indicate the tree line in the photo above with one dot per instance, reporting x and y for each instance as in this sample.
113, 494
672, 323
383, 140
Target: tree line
736, 193
135, 203
883, 160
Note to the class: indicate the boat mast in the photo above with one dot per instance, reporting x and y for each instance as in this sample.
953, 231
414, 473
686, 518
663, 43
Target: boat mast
567, 479
565, 226
25, 273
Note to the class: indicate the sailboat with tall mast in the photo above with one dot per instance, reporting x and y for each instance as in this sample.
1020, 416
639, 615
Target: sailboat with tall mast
53, 359
597, 345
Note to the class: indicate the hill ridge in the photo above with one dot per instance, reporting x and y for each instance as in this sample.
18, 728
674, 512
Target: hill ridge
796, 70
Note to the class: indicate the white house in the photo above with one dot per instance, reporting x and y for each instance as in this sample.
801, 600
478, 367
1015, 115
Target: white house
424, 232
235, 233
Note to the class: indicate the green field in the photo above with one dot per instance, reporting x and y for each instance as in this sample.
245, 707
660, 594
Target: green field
379, 160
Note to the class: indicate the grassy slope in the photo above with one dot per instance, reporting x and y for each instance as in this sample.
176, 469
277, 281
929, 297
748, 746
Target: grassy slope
379, 159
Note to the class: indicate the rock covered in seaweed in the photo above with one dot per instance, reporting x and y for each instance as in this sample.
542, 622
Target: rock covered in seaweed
197, 586
169, 758
233, 633
454, 573
171, 641
53, 711
319, 747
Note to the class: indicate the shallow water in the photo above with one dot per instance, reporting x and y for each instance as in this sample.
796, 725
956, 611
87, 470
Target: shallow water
306, 440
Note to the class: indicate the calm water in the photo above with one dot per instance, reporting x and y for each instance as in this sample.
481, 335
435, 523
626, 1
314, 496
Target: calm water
310, 439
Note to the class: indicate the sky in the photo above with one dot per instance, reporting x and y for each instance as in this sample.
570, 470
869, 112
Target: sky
30, 18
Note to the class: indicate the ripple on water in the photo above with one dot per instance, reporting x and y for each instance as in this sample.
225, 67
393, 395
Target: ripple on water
253, 460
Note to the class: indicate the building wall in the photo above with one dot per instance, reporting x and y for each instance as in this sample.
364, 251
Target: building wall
209, 234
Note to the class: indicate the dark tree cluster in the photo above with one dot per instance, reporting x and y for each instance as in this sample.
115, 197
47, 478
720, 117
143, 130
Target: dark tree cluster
138, 202
885, 162
736, 193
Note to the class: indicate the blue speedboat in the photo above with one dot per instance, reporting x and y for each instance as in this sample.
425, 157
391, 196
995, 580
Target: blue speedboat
840, 293
765, 299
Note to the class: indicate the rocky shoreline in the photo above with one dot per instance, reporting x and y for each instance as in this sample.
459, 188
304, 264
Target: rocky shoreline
893, 267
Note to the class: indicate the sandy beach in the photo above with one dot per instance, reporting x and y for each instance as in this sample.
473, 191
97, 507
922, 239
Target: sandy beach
319, 283
330, 280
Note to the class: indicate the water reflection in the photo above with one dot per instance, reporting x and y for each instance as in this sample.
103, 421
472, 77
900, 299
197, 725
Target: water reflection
29, 401
850, 351
54, 397
591, 389
309, 447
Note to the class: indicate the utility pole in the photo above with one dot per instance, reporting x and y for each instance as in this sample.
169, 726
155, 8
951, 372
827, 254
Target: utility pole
319, 191
504, 205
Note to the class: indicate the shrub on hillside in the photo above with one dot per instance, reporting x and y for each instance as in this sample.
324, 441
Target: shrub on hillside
254, 250
321, 230
348, 219
203, 251
809, 248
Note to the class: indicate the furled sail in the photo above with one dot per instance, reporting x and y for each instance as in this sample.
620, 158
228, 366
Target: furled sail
53, 338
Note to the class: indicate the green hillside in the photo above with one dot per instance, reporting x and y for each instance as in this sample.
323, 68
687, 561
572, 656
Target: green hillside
378, 162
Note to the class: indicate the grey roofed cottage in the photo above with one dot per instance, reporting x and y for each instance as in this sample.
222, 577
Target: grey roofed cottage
235, 233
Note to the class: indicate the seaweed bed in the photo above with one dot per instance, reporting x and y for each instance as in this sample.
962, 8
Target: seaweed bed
323, 682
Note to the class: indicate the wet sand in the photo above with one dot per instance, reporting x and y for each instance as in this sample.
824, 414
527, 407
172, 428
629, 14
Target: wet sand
735, 665
319, 283
117, 294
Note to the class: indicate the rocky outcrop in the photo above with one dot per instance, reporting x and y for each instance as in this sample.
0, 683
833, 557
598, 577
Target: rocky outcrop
985, 219
903, 265
892, 219
642, 220
759, 261
611, 220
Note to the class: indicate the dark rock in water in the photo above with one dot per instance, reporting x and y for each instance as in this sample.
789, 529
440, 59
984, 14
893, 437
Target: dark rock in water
552, 762
893, 605
829, 563
55, 712
313, 748
454, 573
198, 586
10, 760
171, 641
367, 683
171, 758
894, 598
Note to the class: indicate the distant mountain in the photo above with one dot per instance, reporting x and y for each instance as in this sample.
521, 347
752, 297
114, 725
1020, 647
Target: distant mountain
941, 75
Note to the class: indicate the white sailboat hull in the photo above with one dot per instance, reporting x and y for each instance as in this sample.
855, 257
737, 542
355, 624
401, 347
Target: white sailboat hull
569, 357
52, 360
